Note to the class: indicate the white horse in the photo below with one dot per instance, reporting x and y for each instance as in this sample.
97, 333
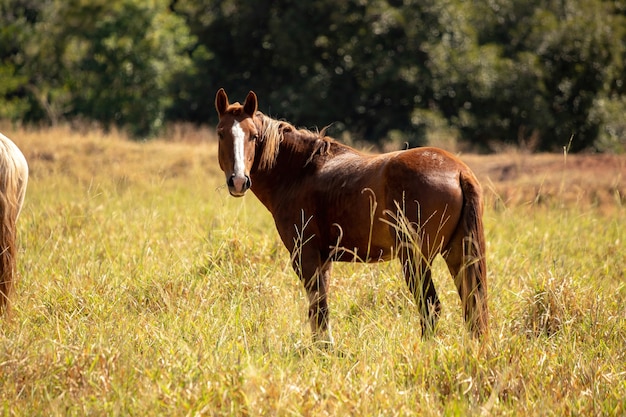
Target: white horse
13, 180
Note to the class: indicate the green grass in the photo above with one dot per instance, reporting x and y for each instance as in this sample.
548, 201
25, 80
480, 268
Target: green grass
146, 290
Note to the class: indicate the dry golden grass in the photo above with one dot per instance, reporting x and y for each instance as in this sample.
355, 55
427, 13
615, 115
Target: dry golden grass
146, 290
583, 180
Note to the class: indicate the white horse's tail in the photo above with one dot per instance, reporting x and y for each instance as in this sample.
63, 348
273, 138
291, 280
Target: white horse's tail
13, 180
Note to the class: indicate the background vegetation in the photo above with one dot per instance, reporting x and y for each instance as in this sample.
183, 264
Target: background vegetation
487, 72
146, 289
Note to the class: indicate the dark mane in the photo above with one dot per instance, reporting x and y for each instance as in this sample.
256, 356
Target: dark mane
273, 133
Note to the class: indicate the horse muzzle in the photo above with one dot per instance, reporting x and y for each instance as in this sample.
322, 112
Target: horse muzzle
238, 185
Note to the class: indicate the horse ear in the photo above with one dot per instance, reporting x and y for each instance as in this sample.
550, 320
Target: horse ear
251, 104
221, 101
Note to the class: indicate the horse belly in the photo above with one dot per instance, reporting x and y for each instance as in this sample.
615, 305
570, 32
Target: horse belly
363, 249
358, 233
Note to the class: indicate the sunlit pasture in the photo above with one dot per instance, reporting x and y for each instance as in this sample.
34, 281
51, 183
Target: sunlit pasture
145, 289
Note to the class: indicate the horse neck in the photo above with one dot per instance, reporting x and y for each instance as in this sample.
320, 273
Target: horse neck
295, 158
294, 147
291, 158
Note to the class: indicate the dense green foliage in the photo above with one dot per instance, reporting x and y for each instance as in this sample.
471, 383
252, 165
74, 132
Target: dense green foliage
110, 61
489, 71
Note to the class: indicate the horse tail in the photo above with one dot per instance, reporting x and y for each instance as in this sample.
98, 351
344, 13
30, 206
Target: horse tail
13, 179
471, 275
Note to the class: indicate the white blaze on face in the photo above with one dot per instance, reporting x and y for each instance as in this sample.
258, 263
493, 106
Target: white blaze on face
238, 141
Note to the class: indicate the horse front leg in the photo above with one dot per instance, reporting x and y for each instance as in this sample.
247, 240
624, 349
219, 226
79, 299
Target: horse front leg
317, 292
315, 277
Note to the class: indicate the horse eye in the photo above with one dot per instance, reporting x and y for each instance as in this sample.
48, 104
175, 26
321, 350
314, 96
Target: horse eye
254, 137
220, 135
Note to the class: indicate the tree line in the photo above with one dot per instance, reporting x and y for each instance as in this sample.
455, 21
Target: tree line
539, 73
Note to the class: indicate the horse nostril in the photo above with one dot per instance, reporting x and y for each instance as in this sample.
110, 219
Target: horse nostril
239, 183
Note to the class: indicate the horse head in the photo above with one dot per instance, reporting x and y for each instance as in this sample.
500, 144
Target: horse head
238, 136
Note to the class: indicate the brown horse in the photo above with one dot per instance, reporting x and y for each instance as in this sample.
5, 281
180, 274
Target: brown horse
333, 203
13, 179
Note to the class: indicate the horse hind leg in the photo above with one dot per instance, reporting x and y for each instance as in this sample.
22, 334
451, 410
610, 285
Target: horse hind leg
418, 276
467, 266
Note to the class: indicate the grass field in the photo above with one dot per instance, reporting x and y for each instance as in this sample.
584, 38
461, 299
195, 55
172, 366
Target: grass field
145, 289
